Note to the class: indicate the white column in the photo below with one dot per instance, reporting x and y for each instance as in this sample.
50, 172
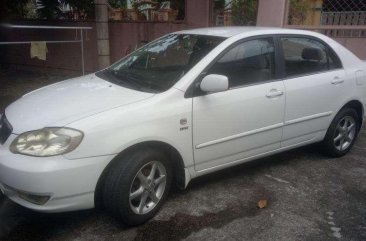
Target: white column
101, 22
272, 13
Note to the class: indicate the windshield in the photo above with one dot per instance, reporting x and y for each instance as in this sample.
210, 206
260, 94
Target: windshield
157, 66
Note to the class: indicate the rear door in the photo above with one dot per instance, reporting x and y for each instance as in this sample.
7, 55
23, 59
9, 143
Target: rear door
314, 80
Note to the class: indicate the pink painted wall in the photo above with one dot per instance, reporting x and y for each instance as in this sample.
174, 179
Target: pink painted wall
356, 45
271, 13
199, 13
125, 37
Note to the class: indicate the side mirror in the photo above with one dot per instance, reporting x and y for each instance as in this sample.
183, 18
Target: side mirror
214, 83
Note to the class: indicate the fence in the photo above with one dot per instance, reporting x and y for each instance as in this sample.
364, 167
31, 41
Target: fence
352, 18
342, 20
339, 16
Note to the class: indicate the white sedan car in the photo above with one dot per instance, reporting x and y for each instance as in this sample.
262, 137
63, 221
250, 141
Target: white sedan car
187, 104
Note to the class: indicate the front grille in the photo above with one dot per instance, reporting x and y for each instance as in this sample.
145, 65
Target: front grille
5, 129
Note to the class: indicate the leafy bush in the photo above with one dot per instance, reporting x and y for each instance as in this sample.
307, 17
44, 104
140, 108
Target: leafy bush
298, 11
244, 12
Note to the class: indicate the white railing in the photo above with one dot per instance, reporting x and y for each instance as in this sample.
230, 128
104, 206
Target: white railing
344, 18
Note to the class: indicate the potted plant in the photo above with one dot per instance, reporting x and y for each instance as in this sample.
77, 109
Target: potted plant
116, 9
166, 12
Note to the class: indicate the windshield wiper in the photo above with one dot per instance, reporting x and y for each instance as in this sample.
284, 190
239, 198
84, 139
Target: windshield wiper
131, 78
115, 77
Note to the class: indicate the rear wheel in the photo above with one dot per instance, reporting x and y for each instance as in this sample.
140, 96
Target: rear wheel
136, 187
342, 133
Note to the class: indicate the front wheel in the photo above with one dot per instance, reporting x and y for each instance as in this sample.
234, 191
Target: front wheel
342, 133
136, 187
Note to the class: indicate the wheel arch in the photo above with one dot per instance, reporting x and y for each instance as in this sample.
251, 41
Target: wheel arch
357, 106
173, 154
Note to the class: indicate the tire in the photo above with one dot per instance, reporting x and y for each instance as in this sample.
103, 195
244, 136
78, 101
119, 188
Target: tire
133, 176
343, 129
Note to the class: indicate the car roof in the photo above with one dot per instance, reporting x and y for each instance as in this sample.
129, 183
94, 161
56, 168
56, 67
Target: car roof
228, 32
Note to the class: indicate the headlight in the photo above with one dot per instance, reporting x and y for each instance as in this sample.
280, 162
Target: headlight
47, 142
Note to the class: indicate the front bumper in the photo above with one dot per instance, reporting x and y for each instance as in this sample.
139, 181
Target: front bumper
69, 184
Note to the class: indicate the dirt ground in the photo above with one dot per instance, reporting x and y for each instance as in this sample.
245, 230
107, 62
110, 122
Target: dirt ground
310, 197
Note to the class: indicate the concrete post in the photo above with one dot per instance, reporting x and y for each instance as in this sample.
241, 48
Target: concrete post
272, 13
101, 22
199, 13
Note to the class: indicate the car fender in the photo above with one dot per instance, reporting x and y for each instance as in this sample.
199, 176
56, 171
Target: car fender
165, 117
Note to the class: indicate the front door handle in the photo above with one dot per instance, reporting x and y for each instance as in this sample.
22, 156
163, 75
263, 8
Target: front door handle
337, 81
274, 93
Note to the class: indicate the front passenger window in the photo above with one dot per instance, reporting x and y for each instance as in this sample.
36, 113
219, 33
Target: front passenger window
248, 63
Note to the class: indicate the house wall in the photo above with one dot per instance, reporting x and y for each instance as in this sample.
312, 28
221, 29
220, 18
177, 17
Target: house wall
126, 37
271, 13
355, 45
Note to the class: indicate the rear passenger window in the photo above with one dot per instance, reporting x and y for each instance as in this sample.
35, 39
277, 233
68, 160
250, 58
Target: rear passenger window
306, 56
248, 63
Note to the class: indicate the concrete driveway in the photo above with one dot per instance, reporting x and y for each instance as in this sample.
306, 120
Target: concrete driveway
310, 197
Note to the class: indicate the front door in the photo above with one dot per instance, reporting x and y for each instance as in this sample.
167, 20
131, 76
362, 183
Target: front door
245, 120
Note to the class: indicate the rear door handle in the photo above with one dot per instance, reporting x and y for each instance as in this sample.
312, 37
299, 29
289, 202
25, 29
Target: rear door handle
337, 81
274, 93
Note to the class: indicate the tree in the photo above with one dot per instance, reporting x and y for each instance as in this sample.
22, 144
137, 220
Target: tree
52, 9
82, 7
49, 9
244, 12
11, 9
118, 3
175, 4
219, 4
298, 11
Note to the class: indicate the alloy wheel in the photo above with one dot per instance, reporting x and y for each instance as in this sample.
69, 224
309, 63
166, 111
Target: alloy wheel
147, 187
345, 133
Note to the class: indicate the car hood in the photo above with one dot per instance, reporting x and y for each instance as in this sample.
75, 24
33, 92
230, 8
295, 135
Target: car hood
67, 101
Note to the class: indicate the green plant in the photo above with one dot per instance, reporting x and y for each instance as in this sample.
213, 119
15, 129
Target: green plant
298, 11
82, 7
118, 3
48, 9
180, 6
31, 10
175, 4
11, 9
244, 12
219, 4
52, 9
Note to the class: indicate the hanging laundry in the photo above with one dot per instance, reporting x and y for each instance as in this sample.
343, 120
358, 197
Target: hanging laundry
39, 50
